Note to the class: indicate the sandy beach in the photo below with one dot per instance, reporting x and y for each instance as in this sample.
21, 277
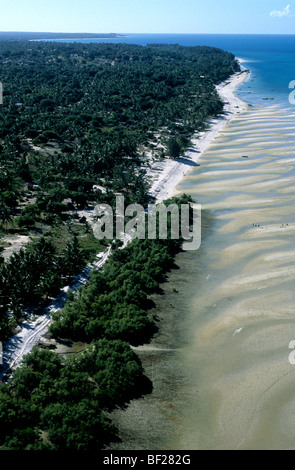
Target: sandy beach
167, 174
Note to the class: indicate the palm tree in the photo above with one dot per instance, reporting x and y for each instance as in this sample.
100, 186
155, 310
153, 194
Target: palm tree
5, 215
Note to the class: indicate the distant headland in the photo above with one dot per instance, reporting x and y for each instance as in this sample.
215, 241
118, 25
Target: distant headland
31, 36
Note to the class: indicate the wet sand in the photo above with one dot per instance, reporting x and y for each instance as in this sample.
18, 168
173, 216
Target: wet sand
242, 309
226, 382
153, 421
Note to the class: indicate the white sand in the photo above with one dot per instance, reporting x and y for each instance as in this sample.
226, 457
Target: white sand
165, 176
15, 244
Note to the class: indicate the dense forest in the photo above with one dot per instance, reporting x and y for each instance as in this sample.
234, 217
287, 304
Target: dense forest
77, 125
77, 117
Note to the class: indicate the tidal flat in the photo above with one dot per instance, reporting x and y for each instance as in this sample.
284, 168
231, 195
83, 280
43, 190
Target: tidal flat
225, 380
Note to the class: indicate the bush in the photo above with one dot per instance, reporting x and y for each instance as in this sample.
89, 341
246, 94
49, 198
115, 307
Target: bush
47, 104
173, 148
26, 220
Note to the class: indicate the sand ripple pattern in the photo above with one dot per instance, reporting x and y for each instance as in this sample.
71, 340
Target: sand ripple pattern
242, 389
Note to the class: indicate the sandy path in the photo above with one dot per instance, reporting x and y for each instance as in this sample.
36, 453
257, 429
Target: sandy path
32, 331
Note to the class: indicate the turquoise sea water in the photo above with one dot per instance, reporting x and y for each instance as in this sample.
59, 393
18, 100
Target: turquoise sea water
271, 58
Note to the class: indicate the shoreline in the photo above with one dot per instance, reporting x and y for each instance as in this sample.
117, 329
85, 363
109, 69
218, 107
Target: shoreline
150, 422
166, 175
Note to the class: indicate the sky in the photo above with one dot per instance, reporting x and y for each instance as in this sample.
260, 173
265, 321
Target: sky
149, 16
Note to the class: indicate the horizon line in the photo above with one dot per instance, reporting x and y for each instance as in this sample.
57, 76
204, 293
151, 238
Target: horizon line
147, 33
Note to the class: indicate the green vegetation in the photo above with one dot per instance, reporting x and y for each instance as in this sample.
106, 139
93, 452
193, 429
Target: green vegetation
59, 406
46, 398
32, 276
74, 115
115, 303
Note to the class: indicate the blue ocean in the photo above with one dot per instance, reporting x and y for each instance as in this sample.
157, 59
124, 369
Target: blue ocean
271, 59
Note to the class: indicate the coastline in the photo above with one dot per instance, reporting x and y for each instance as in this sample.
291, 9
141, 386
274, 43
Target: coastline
165, 176
151, 422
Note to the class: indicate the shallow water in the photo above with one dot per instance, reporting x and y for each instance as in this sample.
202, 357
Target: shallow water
241, 317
